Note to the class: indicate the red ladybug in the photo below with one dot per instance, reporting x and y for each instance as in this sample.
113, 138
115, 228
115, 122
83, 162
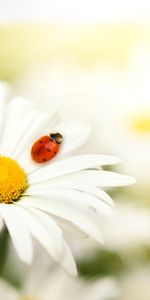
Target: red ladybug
45, 148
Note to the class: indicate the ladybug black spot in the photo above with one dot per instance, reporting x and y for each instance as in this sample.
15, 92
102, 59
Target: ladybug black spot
40, 142
48, 149
44, 159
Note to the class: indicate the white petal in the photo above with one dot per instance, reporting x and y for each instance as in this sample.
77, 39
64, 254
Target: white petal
70, 165
65, 212
18, 231
70, 227
96, 178
77, 199
70, 184
4, 91
68, 262
75, 134
107, 178
23, 128
45, 230
98, 193
41, 125
16, 110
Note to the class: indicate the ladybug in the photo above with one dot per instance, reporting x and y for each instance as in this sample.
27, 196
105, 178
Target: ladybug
45, 148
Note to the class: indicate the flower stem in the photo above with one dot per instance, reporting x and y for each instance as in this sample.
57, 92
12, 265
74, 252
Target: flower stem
4, 242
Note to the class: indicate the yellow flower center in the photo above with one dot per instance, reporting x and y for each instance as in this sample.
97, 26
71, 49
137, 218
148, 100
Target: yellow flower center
141, 123
13, 180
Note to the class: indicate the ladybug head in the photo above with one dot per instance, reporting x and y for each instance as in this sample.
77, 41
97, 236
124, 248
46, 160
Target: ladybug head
57, 137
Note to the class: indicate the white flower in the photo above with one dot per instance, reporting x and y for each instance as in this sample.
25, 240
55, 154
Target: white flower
57, 285
66, 188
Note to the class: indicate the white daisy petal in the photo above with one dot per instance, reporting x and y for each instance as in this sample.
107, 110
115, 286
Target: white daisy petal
70, 184
67, 213
103, 196
68, 262
77, 199
102, 178
4, 91
54, 231
18, 231
107, 178
70, 165
45, 230
75, 134
16, 109
96, 178
70, 227
41, 125
23, 127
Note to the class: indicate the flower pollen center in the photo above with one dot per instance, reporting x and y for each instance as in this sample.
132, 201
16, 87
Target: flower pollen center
13, 180
141, 123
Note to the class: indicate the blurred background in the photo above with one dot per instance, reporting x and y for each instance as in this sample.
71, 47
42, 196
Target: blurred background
91, 60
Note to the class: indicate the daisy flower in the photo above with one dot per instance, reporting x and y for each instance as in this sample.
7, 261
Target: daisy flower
42, 200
